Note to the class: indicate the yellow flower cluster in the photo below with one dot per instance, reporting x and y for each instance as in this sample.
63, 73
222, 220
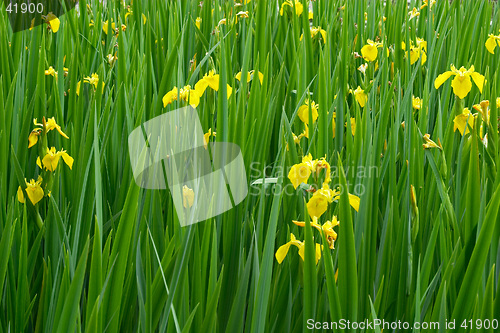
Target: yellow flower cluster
420, 50
48, 159
316, 206
318, 203
193, 96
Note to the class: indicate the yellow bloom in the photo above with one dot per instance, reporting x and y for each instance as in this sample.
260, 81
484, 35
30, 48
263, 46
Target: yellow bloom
52, 21
303, 111
318, 204
369, 51
198, 22
360, 96
190, 95
326, 228
51, 159
210, 80
413, 13
463, 121
186, 94
416, 102
51, 71
299, 173
187, 197
33, 190
144, 19
250, 76
498, 102
311, 15
484, 109
283, 250
170, 96
51, 124
93, 80
462, 82
105, 26
426, 4
33, 138
206, 137
416, 51
429, 143
492, 42
291, 3
314, 33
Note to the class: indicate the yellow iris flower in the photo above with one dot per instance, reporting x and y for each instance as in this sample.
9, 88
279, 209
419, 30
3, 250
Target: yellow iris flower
33, 190
210, 80
360, 96
198, 22
318, 204
463, 121
303, 111
186, 94
105, 26
413, 13
299, 173
50, 124
51, 71
283, 250
433, 2
51, 160
370, 50
326, 228
298, 6
492, 42
250, 76
93, 80
431, 144
416, 102
314, 33
462, 82
416, 51
52, 21
206, 137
